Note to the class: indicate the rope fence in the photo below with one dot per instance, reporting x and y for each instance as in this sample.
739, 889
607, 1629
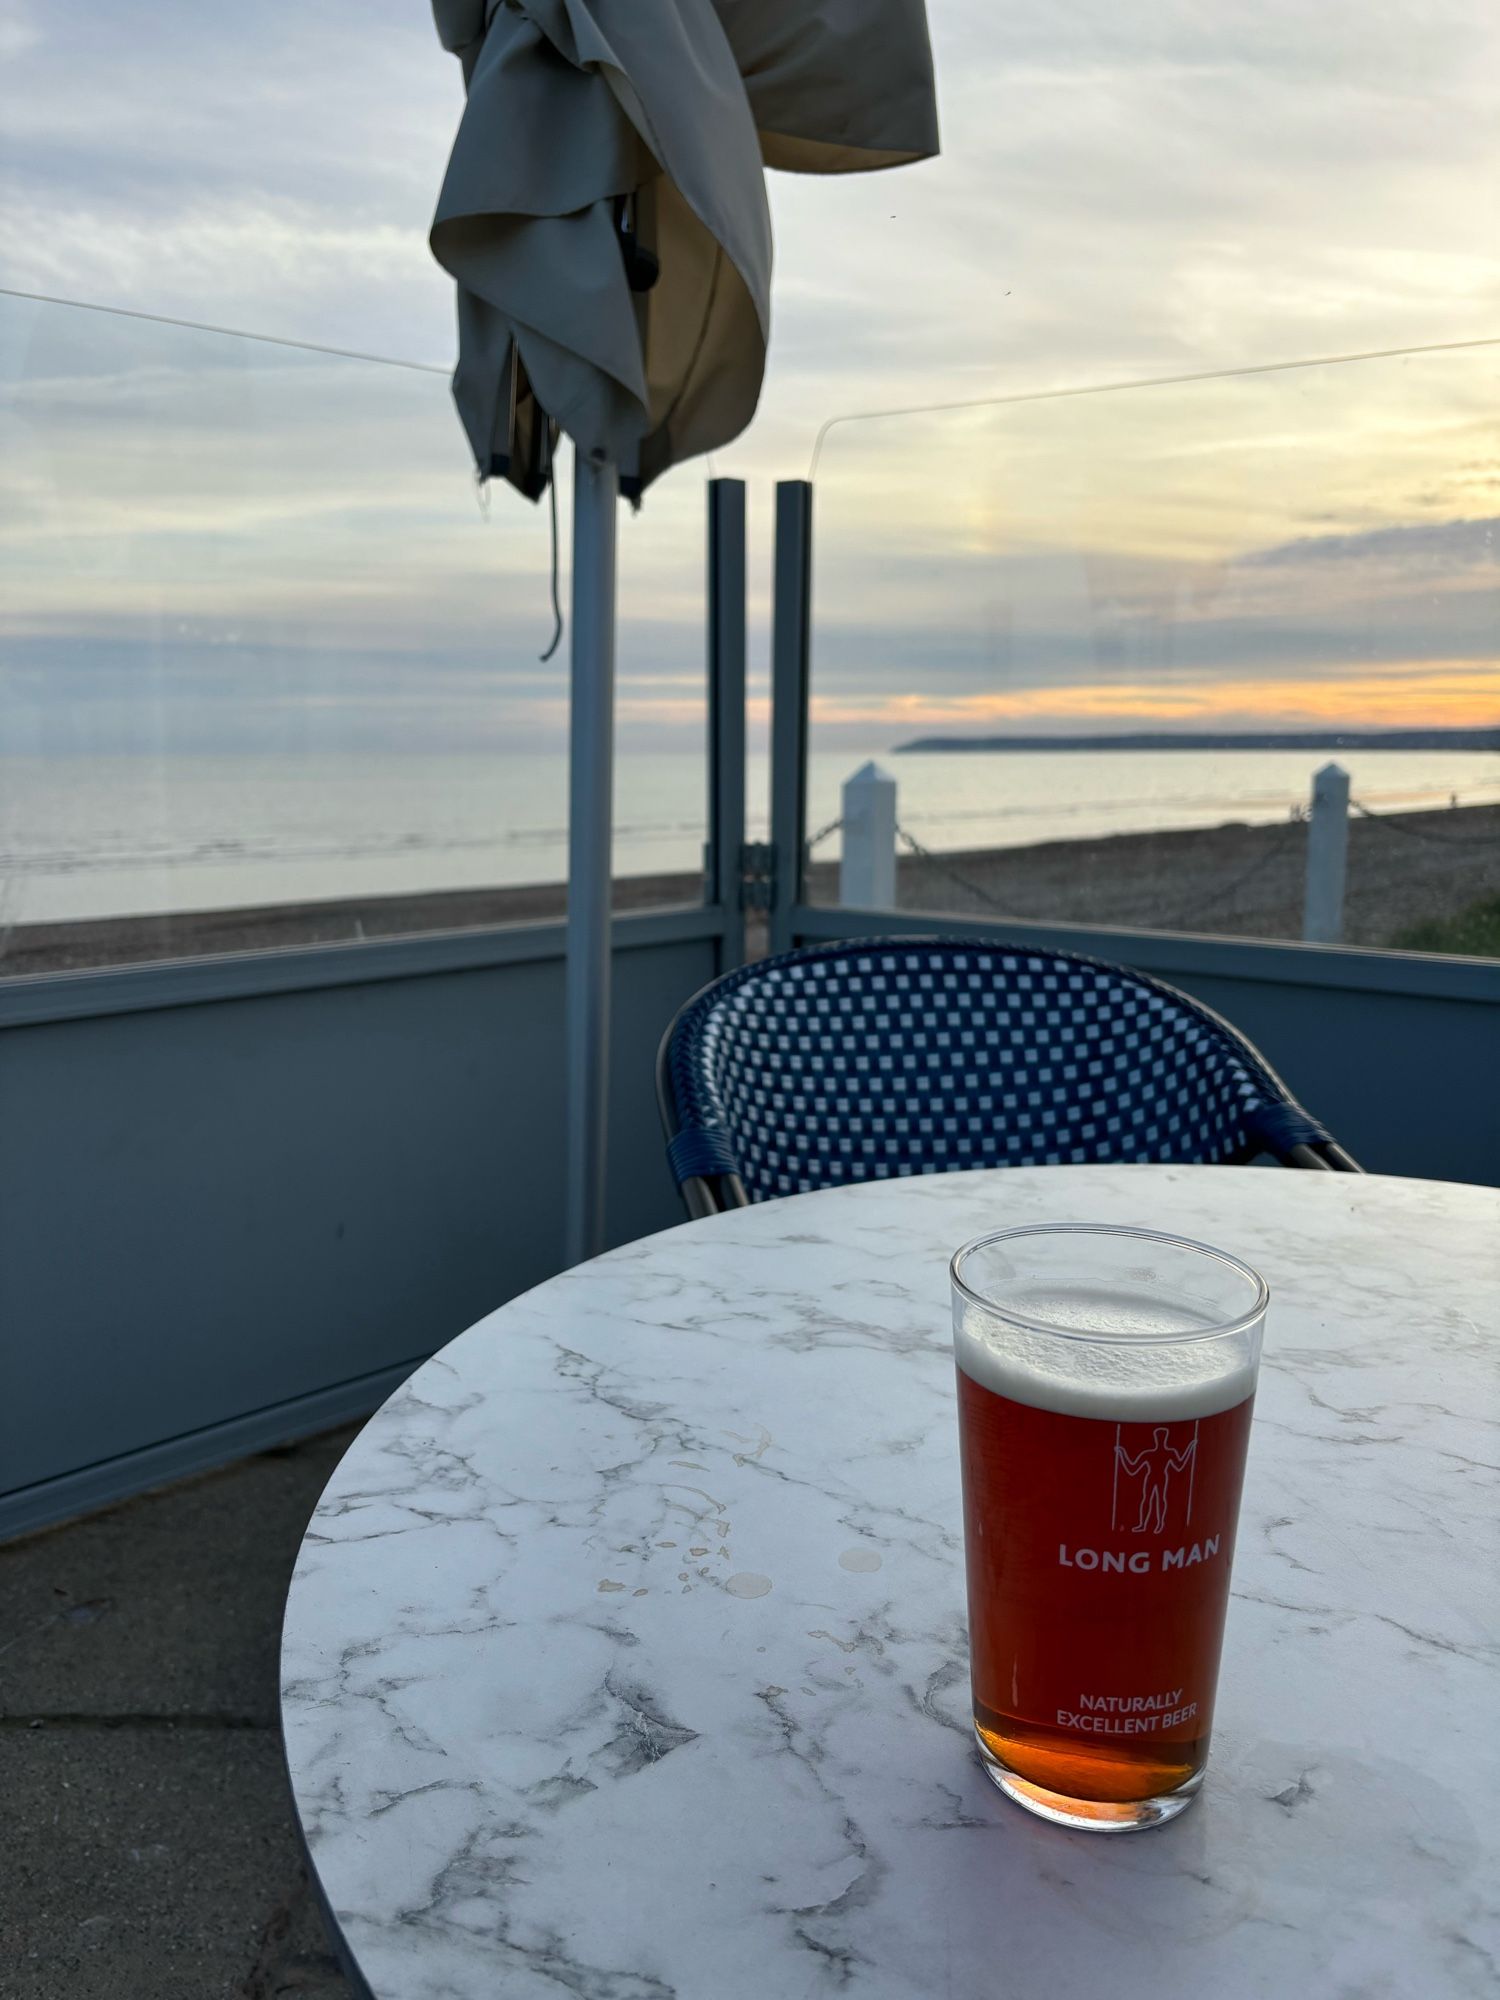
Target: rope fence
1392, 825
1300, 835
1227, 890
1143, 915
974, 889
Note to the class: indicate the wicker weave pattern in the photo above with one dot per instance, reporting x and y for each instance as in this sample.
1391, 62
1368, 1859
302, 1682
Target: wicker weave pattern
924, 1056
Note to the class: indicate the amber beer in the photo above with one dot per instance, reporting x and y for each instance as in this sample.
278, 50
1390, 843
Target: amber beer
1105, 1385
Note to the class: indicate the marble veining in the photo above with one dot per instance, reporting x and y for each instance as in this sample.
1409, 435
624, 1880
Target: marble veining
625, 1656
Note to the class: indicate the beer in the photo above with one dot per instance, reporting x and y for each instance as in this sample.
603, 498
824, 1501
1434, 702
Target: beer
1103, 1426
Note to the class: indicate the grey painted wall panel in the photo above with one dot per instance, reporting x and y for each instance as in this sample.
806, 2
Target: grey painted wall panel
1409, 1083
212, 1208
208, 1209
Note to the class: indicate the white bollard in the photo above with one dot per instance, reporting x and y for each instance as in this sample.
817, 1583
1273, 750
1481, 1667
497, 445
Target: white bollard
867, 866
1327, 856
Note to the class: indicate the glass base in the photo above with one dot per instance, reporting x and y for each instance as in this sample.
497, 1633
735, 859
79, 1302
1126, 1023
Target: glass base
1087, 1815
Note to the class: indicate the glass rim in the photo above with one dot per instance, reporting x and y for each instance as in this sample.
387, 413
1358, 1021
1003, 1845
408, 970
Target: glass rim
1238, 1323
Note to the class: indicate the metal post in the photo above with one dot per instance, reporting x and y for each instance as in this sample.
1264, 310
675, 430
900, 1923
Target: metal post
1327, 855
790, 637
726, 710
867, 862
590, 817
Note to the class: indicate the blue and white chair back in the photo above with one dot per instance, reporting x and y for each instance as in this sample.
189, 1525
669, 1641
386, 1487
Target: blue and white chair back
854, 1062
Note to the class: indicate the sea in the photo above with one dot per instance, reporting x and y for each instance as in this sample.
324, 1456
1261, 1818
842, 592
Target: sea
139, 835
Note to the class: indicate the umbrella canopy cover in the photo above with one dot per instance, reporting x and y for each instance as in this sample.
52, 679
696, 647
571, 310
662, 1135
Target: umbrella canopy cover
604, 212
836, 86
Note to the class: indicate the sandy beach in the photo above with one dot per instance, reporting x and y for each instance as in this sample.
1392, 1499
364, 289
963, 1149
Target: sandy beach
1234, 880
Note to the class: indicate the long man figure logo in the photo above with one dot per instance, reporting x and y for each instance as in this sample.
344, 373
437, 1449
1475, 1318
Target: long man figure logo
1154, 1465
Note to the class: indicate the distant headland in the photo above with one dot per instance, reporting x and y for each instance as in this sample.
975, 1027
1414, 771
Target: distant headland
1259, 739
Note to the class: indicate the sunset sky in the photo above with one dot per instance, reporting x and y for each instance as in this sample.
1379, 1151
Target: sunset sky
218, 542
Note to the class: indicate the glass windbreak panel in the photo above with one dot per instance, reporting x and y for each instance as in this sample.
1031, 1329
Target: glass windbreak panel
1104, 643
269, 670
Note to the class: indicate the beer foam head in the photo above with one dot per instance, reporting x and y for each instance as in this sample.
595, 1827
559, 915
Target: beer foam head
1114, 1324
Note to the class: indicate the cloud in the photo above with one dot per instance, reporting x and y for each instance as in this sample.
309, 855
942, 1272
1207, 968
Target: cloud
1122, 192
272, 168
1116, 190
1418, 693
1423, 545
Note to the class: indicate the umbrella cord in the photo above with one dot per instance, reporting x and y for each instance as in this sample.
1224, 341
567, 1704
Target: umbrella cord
557, 622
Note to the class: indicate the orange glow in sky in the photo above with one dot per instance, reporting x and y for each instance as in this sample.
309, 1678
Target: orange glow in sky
1424, 694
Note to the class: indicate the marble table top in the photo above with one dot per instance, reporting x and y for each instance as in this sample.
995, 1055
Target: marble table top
624, 1657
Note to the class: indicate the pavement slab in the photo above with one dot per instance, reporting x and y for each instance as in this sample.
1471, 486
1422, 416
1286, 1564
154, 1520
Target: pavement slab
148, 1849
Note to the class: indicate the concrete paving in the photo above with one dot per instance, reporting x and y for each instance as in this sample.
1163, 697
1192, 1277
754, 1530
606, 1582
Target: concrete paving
147, 1846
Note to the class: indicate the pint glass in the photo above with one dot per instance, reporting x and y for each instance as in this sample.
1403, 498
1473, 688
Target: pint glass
1105, 1383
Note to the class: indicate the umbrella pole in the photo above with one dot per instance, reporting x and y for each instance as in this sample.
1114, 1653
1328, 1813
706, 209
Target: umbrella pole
590, 818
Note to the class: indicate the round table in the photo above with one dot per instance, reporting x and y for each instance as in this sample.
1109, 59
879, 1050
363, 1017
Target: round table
624, 1657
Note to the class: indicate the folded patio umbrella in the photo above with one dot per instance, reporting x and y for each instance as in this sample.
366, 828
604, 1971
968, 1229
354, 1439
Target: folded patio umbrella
604, 216
604, 212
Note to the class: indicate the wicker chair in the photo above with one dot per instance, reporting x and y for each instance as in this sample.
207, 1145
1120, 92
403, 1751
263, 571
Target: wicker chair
863, 1061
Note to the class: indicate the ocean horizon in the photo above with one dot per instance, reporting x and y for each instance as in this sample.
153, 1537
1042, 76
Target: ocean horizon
137, 835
